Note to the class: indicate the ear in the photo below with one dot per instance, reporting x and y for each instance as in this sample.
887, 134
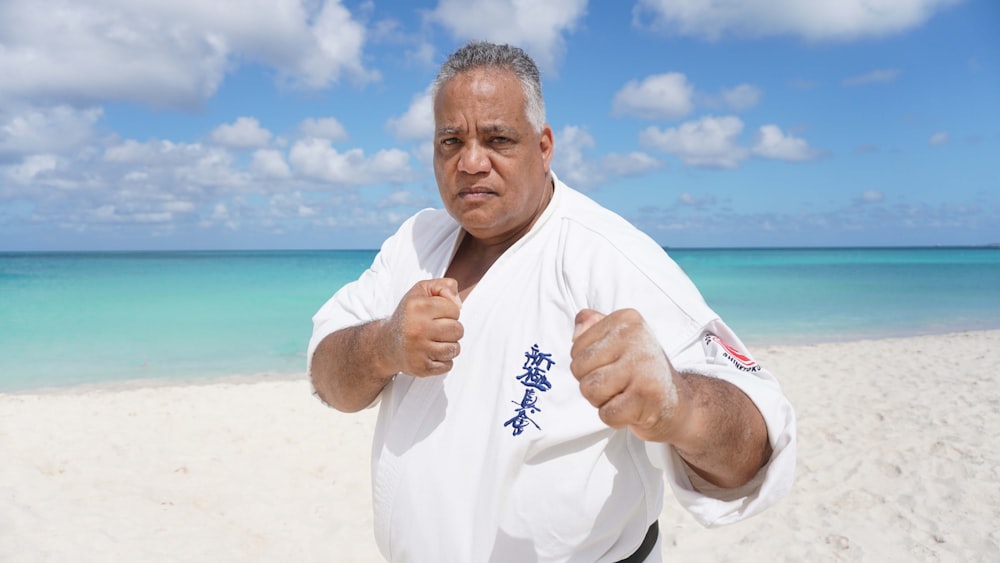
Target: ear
546, 143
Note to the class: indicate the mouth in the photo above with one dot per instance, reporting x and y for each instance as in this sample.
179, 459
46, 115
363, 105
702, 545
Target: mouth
475, 192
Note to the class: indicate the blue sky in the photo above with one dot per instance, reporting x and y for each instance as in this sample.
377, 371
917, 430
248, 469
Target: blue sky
258, 124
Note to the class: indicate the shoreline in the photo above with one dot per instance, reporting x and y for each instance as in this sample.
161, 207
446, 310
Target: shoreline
896, 460
755, 345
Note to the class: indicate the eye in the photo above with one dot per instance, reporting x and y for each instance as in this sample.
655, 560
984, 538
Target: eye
501, 140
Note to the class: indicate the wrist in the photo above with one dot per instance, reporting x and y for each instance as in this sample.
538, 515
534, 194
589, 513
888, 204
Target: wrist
387, 351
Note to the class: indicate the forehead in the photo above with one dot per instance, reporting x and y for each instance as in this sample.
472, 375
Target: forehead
480, 95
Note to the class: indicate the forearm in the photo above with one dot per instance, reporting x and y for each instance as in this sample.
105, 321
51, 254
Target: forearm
350, 367
723, 436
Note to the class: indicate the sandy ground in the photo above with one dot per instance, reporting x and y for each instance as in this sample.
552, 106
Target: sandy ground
898, 461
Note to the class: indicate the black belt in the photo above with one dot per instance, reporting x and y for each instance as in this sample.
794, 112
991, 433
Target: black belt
646, 547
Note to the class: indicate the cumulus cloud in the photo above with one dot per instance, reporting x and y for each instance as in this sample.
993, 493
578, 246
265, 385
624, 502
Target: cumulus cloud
26, 130
814, 20
323, 128
334, 48
874, 77
417, 124
151, 169
713, 142
538, 27
710, 141
742, 97
270, 163
153, 153
170, 53
773, 143
633, 163
316, 159
577, 168
244, 133
738, 98
286, 205
660, 96
31, 168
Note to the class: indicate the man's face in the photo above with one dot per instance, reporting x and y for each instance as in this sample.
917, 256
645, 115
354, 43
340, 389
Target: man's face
491, 165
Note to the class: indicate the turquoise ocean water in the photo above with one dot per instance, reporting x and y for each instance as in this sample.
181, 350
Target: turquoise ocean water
71, 318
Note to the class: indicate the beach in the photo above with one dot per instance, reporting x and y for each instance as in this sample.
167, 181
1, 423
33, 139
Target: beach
897, 461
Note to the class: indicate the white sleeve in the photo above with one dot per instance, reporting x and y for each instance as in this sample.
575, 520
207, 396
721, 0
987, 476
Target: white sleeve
366, 299
719, 353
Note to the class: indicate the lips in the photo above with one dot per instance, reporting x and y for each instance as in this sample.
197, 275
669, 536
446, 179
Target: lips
475, 191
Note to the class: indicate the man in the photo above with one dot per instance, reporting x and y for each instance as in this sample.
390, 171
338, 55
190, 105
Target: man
541, 365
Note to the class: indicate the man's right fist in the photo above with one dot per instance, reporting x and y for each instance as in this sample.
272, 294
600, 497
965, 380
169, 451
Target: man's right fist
424, 330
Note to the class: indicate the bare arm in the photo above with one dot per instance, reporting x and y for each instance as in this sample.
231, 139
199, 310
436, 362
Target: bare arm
624, 372
351, 366
723, 437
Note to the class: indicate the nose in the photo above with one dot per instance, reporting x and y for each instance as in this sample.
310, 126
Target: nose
474, 159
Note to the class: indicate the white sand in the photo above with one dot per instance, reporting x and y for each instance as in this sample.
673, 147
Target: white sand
898, 461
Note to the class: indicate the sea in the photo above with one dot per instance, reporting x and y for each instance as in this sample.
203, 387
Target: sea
86, 318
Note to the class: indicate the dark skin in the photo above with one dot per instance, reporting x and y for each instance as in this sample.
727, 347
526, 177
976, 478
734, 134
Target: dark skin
492, 168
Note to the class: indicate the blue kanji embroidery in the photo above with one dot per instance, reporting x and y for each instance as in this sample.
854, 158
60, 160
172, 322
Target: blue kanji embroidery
535, 378
528, 405
534, 372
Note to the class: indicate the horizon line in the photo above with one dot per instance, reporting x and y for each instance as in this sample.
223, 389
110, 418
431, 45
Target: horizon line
994, 245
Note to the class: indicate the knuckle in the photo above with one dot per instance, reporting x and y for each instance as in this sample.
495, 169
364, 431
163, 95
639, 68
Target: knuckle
610, 415
592, 385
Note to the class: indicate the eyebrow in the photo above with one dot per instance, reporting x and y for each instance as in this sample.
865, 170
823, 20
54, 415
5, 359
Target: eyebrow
488, 129
498, 128
444, 131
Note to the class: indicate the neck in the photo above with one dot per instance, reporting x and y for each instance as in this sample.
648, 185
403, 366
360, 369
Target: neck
474, 256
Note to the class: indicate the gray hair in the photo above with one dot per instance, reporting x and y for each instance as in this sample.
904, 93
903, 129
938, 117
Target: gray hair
484, 55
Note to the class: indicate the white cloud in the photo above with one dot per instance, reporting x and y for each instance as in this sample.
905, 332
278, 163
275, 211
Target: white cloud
813, 20
32, 167
153, 153
878, 76
214, 168
660, 96
688, 200
773, 143
741, 97
317, 160
634, 163
738, 98
170, 53
244, 133
270, 163
174, 187
404, 198
538, 27
323, 128
109, 213
28, 129
337, 41
417, 123
569, 161
710, 141
939, 138
586, 172
168, 167
283, 206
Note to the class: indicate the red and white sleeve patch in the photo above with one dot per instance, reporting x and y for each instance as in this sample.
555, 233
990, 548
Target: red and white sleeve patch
718, 352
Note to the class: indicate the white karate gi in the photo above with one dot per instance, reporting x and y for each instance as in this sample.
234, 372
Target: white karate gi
502, 459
